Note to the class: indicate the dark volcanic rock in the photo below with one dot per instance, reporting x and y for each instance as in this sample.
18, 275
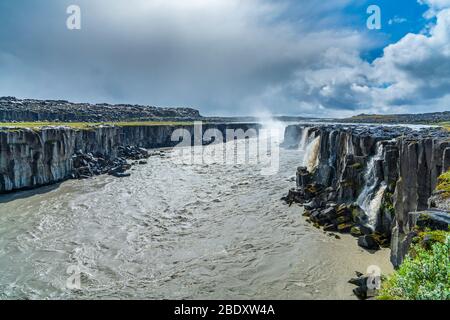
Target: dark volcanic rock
389, 171
88, 165
420, 162
12, 109
345, 227
431, 219
368, 242
367, 285
33, 158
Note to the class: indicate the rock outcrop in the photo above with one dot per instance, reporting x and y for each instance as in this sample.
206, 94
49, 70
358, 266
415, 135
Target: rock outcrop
32, 158
12, 109
422, 159
86, 165
387, 172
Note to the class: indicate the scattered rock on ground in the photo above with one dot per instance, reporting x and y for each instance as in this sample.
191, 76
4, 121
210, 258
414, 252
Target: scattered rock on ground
87, 165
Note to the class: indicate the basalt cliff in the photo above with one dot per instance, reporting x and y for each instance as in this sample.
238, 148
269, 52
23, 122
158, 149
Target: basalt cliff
32, 158
374, 182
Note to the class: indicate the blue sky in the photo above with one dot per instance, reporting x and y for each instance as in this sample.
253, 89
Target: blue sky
409, 12
399, 17
231, 57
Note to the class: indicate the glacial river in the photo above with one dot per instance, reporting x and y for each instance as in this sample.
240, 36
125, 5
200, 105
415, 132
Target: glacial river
174, 230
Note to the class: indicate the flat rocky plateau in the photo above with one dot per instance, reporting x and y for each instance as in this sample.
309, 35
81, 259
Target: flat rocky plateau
13, 109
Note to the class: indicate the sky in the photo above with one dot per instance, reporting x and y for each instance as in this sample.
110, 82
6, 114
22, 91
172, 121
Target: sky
231, 57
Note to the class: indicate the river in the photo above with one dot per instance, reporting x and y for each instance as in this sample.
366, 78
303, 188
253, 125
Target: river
174, 230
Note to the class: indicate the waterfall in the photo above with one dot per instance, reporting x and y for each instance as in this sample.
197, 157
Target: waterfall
311, 157
310, 148
304, 139
375, 205
372, 194
349, 145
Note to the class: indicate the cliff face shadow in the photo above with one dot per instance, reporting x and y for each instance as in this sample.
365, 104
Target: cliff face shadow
26, 193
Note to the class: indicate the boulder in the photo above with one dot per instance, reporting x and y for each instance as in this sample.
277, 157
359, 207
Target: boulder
343, 219
330, 228
368, 242
313, 204
315, 216
329, 213
432, 219
344, 210
358, 214
365, 230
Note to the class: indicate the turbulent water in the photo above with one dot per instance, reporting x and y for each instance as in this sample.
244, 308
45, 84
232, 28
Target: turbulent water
174, 230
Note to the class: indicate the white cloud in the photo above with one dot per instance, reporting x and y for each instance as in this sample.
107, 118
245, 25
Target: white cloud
416, 69
435, 6
413, 75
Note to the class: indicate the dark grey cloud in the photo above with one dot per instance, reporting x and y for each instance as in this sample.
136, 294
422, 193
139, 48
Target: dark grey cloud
225, 57
213, 54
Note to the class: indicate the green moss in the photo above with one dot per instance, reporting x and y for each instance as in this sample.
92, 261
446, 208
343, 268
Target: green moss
444, 184
426, 239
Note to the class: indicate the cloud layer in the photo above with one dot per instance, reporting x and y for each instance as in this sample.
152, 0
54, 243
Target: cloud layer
225, 57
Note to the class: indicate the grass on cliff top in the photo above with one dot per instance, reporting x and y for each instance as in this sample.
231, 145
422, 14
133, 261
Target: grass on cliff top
89, 125
445, 125
373, 117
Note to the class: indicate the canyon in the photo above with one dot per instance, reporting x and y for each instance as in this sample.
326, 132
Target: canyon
375, 182
371, 180
383, 174
174, 229
32, 158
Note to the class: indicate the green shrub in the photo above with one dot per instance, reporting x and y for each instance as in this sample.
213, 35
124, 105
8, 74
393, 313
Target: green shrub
426, 239
424, 275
